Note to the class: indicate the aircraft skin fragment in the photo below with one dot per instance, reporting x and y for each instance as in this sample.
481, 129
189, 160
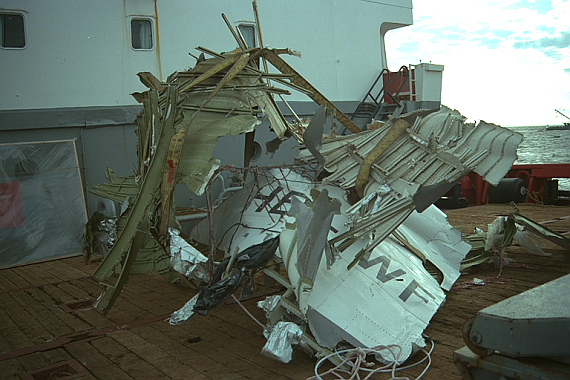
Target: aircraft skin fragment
389, 277
354, 244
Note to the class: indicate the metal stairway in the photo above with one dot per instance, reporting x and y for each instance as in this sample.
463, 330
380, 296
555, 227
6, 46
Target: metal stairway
374, 104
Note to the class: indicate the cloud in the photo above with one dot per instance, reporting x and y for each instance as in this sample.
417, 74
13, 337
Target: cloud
490, 42
502, 33
547, 45
540, 6
525, 36
546, 29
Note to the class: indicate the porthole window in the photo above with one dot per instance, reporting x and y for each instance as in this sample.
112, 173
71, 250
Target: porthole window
141, 34
12, 29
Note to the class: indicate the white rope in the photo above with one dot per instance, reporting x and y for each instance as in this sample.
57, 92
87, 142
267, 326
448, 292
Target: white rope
355, 359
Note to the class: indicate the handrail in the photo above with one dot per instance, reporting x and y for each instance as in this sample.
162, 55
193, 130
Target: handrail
377, 100
369, 93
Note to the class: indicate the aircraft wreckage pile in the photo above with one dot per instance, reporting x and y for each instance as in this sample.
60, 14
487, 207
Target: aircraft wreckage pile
351, 223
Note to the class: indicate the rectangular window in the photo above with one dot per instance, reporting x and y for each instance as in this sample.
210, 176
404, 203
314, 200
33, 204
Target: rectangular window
12, 29
141, 34
248, 33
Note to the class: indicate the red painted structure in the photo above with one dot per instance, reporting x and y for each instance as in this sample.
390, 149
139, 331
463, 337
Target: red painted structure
476, 190
398, 83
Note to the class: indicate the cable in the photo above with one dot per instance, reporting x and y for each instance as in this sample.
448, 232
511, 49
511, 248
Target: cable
359, 356
248, 313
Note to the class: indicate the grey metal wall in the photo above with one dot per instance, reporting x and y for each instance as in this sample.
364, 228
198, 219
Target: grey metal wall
105, 137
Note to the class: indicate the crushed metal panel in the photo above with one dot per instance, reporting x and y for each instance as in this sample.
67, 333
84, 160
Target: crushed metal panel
542, 231
313, 225
119, 189
440, 244
432, 154
393, 277
135, 234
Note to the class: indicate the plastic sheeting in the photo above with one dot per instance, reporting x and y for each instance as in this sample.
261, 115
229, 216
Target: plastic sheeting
42, 208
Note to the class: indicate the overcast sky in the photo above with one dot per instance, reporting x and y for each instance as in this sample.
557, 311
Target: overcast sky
506, 62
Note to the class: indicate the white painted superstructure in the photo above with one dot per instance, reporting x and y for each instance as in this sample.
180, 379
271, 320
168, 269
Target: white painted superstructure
68, 67
80, 53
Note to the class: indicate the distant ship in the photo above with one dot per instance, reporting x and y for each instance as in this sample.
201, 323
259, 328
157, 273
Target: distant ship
559, 127
566, 125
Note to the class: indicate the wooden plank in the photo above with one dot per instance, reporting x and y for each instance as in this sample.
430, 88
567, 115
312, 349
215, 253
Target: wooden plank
131, 311
211, 347
95, 318
44, 316
75, 323
157, 289
11, 333
120, 314
24, 321
16, 279
4, 343
35, 275
178, 347
96, 362
56, 355
75, 291
239, 354
62, 270
77, 263
151, 302
90, 316
129, 362
11, 369
89, 285
58, 295
33, 361
155, 356
5, 284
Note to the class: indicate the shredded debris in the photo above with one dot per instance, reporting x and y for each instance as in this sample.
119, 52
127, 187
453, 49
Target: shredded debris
351, 224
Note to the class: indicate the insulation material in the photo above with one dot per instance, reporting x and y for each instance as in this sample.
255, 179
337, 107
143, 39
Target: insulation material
280, 340
42, 208
184, 313
186, 259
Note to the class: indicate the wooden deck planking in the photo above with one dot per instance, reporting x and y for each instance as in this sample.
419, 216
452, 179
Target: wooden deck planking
96, 362
227, 343
11, 332
126, 360
44, 314
15, 278
74, 323
176, 343
11, 369
155, 355
23, 320
6, 285
64, 271
36, 275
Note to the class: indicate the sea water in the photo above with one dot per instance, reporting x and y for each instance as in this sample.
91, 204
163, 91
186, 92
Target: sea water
540, 146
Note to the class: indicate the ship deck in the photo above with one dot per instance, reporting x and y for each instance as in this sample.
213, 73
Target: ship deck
133, 341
